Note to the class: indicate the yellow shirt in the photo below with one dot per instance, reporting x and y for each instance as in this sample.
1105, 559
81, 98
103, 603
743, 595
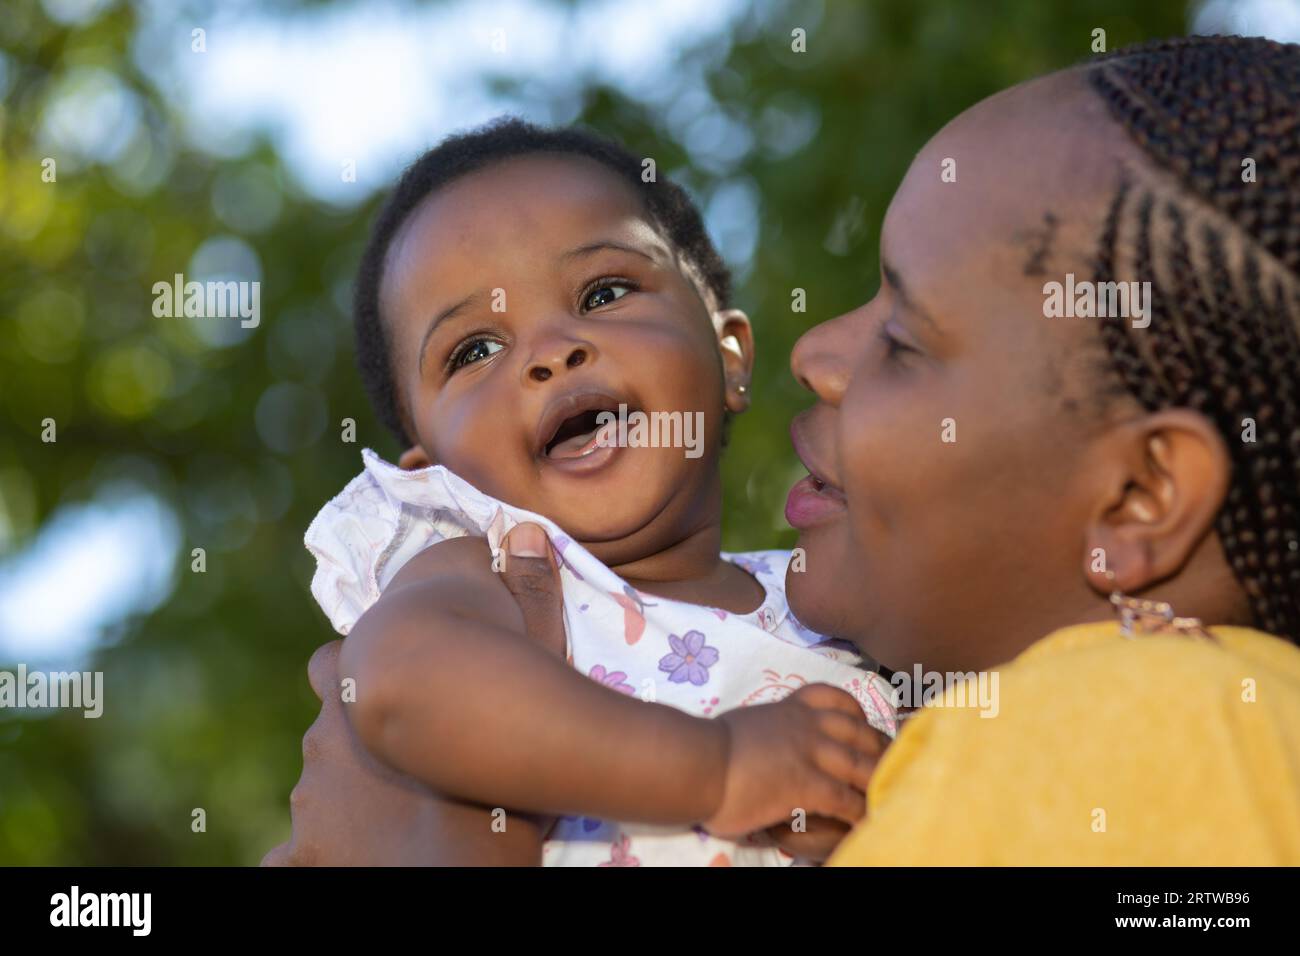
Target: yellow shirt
1105, 750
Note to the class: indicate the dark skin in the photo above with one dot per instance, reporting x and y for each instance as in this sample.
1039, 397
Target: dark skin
350, 809
1041, 464
1044, 461
595, 299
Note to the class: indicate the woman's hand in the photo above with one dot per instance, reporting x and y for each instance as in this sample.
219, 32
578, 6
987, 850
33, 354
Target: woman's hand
348, 808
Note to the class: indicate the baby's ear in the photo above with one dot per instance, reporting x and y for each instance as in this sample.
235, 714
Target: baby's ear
736, 343
414, 458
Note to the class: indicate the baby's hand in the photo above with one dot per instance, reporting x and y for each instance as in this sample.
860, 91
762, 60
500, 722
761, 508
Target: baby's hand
812, 752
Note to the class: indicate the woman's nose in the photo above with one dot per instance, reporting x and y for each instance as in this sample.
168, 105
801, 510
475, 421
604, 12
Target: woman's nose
558, 356
823, 359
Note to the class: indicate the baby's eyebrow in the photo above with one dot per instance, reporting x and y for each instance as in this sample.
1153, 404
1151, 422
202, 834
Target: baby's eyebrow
591, 247
441, 317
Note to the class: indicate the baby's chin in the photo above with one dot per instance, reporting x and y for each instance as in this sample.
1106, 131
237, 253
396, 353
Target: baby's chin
613, 533
622, 528
645, 487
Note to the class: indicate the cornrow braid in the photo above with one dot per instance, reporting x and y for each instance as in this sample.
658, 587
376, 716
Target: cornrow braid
1223, 259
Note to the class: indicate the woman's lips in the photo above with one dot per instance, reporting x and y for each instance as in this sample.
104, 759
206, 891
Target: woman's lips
811, 502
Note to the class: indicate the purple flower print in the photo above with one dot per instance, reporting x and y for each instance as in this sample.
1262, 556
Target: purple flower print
613, 679
690, 660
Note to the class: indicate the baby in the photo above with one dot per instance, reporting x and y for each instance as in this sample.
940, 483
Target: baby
522, 288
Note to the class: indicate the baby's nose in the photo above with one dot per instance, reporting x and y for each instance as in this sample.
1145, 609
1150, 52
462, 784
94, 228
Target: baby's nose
566, 357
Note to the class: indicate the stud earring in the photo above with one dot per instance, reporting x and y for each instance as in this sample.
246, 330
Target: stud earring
741, 389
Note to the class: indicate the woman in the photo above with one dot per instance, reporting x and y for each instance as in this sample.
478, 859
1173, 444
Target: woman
1155, 454
987, 471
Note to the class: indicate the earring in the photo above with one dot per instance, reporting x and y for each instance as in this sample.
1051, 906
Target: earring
1138, 617
742, 389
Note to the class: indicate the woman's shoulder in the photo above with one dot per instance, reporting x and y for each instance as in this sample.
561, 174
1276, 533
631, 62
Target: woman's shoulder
1099, 748
1092, 681
1157, 670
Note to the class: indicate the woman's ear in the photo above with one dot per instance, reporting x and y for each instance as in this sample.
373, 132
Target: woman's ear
1166, 478
414, 458
736, 343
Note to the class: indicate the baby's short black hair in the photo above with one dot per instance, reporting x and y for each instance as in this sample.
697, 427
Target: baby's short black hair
667, 204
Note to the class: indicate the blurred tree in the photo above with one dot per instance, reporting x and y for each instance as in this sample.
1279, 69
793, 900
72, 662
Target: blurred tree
240, 433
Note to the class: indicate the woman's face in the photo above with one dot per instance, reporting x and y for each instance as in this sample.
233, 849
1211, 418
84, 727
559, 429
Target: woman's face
954, 421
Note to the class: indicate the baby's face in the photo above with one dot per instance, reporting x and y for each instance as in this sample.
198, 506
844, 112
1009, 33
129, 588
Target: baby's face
524, 299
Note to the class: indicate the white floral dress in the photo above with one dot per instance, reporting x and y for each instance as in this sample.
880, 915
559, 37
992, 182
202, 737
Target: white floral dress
698, 659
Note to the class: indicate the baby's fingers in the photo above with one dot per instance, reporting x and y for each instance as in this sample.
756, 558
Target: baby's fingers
826, 697
845, 764
830, 797
852, 731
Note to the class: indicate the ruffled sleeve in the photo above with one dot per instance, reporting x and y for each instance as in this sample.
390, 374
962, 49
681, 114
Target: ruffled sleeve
379, 521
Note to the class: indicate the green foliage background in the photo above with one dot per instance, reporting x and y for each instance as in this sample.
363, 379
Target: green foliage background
207, 697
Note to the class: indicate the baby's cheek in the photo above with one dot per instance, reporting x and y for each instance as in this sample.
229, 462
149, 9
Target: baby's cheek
691, 382
484, 449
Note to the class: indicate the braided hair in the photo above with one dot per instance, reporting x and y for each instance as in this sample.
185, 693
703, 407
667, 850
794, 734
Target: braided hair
1222, 253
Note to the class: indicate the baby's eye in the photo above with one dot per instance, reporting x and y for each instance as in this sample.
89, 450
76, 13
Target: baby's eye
474, 351
604, 295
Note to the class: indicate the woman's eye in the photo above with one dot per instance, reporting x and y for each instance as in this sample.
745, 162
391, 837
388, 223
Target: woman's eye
475, 351
604, 296
895, 349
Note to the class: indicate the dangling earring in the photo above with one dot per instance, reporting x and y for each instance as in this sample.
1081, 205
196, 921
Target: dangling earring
1138, 617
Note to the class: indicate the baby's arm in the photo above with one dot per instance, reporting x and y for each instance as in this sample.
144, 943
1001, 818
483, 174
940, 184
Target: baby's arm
449, 691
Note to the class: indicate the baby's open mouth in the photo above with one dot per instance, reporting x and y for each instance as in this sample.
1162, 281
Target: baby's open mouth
579, 435
579, 424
